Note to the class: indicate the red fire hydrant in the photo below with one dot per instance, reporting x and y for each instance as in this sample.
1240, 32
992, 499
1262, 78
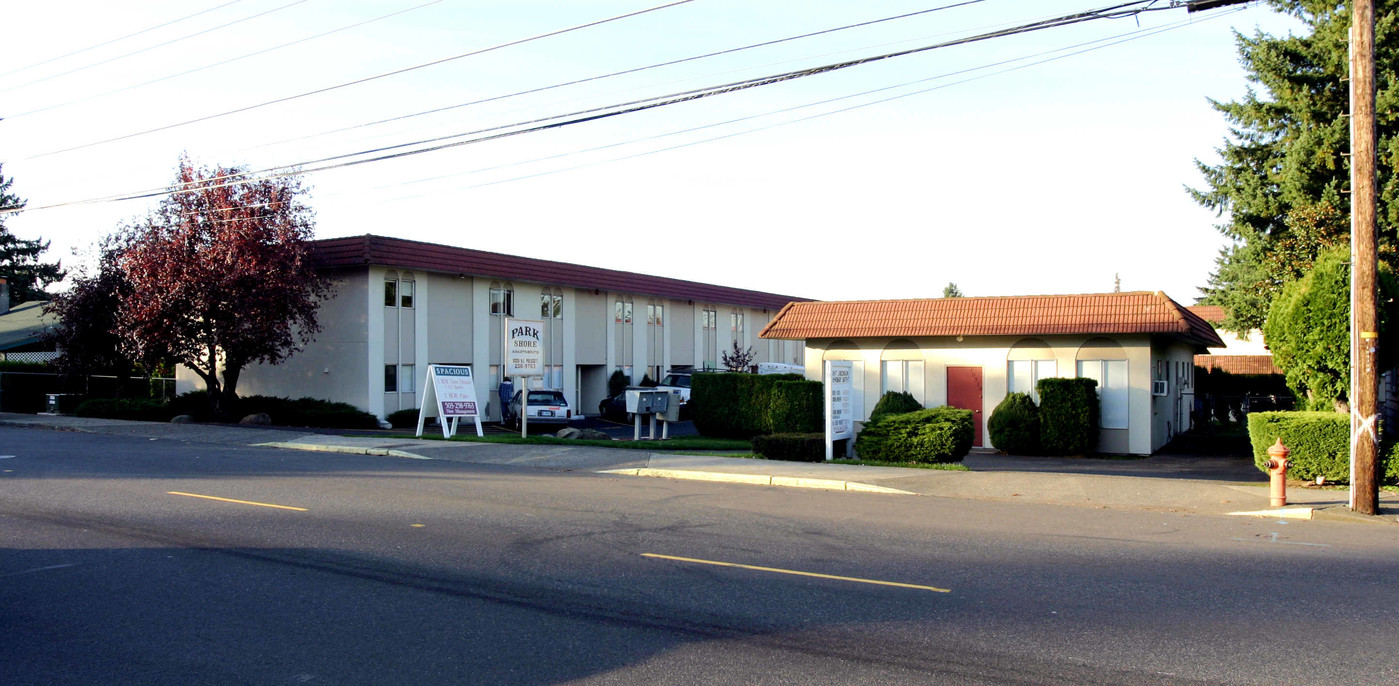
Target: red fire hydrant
1277, 469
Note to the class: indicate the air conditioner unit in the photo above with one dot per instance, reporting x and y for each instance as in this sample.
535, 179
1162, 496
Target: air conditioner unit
1158, 388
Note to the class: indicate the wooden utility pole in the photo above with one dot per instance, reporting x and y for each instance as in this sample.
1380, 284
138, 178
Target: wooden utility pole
1364, 330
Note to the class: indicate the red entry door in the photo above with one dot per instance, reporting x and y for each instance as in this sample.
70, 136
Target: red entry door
964, 392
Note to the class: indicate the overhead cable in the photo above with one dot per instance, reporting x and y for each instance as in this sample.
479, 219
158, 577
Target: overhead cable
220, 63
118, 39
366, 79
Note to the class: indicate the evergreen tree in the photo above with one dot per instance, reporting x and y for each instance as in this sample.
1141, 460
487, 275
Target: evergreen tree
19, 259
951, 290
1281, 186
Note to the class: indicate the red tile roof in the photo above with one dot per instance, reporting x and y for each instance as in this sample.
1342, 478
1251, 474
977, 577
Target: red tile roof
1239, 364
405, 254
1213, 314
1105, 313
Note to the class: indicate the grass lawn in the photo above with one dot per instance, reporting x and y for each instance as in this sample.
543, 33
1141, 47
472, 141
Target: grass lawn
945, 466
690, 443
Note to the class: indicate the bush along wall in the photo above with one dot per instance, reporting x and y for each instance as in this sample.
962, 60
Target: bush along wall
1068, 416
894, 402
1015, 425
748, 405
939, 434
795, 447
1319, 442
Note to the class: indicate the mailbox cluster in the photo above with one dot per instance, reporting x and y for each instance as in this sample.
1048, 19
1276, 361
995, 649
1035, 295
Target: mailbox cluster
662, 404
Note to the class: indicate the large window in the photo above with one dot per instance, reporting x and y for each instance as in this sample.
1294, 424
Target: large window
1111, 376
1023, 376
709, 320
901, 376
502, 300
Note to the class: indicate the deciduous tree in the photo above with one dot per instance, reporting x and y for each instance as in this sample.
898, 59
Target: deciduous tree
221, 276
738, 359
19, 258
86, 332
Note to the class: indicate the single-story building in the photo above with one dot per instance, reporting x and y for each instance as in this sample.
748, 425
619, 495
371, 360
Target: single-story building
400, 305
971, 352
22, 329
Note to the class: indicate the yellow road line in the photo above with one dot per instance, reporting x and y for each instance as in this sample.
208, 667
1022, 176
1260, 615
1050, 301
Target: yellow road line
797, 573
240, 502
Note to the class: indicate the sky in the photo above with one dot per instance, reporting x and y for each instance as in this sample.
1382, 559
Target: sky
1046, 162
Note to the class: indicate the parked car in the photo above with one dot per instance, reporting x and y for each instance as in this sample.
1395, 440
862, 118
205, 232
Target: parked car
615, 408
545, 407
679, 381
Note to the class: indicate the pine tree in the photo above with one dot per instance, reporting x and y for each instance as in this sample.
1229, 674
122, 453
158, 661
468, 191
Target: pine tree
19, 259
1281, 186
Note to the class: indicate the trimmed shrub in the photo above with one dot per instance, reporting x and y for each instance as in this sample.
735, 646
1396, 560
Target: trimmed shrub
1068, 416
403, 419
1319, 442
617, 383
794, 447
308, 412
1391, 464
140, 409
894, 402
741, 405
1015, 425
796, 407
939, 434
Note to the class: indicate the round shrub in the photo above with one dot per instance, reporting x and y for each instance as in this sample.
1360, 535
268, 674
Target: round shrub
894, 402
1015, 425
403, 419
939, 434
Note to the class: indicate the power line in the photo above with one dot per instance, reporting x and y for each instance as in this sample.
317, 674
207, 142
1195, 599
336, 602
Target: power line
187, 72
623, 72
365, 79
118, 40
560, 121
153, 47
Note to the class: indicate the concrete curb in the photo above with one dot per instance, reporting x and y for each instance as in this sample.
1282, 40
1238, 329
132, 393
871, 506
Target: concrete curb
346, 449
758, 480
1279, 513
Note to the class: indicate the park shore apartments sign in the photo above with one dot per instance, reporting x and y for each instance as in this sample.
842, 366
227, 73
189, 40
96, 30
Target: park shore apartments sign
524, 347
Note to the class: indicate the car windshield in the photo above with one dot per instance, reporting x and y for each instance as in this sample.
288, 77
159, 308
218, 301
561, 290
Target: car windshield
673, 380
545, 398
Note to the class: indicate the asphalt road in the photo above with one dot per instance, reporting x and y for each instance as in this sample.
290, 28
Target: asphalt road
118, 567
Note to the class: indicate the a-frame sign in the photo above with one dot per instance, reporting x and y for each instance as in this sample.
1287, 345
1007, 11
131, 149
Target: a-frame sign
449, 394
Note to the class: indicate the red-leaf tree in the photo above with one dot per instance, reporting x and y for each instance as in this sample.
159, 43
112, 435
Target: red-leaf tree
220, 276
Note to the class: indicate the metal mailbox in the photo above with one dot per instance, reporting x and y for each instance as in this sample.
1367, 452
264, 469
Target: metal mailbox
671, 413
643, 401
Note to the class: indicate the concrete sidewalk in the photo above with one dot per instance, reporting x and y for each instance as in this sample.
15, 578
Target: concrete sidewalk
1161, 483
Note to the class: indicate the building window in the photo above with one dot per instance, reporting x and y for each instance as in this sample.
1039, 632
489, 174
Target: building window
1111, 376
390, 378
405, 293
901, 376
405, 384
502, 300
710, 322
1023, 376
390, 292
736, 327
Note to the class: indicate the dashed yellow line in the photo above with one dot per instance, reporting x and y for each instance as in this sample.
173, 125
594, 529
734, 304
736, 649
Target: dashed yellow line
797, 573
240, 502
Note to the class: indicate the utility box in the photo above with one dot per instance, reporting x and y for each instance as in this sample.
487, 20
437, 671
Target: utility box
643, 401
671, 413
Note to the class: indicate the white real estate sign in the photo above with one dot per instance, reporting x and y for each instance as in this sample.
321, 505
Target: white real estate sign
839, 386
449, 394
524, 347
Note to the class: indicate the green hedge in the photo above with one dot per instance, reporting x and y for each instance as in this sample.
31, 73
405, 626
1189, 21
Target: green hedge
748, 405
140, 409
1319, 442
794, 447
939, 434
1015, 425
894, 402
307, 412
1068, 416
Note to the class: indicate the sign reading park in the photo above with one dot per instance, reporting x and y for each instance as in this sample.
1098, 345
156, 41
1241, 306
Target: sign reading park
449, 394
524, 347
